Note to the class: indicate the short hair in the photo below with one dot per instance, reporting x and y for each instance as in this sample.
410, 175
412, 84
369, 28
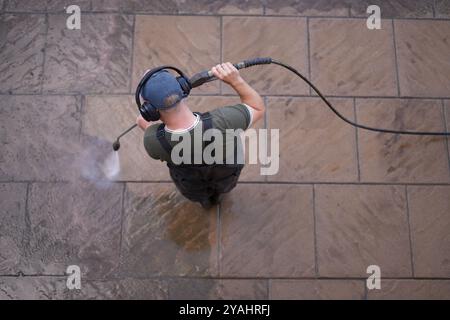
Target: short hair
174, 108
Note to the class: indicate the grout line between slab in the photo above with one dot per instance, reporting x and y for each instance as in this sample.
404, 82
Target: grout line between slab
122, 217
67, 93
130, 78
77, 93
357, 142
366, 291
22, 275
219, 236
328, 96
27, 233
365, 183
394, 40
44, 54
269, 277
308, 40
34, 181
409, 231
168, 279
143, 13
316, 264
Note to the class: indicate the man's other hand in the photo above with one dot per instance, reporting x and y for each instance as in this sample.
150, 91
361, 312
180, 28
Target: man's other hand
142, 123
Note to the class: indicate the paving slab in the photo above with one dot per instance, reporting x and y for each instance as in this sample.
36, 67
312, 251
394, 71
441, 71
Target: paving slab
23, 5
94, 59
12, 226
189, 43
267, 238
155, 6
40, 137
314, 144
45, 5
121, 289
62, 5
429, 210
308, 7
423, 64
22, 45
349, 59
358, 226
33, 288
412, 290
251, 37
55, 288
74, 224
317, 289
394, 8
396, 158
238, 7
181, 7
442, 8
227, 289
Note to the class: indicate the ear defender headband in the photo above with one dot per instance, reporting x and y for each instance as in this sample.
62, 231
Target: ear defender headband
146, 109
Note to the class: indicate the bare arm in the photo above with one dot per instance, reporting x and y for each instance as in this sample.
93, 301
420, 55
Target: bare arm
230, 75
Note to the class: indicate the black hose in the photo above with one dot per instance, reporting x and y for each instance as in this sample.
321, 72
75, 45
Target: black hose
417, 133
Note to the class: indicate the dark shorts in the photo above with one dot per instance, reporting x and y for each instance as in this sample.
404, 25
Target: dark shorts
201, 182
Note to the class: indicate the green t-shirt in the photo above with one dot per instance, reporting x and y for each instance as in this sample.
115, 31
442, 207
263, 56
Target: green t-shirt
230, 117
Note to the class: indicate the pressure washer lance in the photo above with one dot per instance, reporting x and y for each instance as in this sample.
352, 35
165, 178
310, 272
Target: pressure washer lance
207, 76
116, 144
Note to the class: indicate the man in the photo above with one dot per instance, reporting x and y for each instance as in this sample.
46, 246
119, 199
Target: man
201, 183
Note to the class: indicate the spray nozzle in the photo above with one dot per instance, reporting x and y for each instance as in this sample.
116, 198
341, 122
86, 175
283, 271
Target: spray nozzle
116, 144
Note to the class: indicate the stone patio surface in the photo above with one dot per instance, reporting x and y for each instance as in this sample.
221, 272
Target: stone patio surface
343, 198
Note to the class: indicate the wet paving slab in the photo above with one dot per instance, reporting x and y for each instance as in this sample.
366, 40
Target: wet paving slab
166, 235
40, 137
73, 224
